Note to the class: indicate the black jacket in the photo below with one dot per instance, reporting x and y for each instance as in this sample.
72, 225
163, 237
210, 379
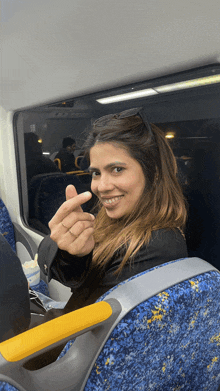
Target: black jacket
14, 295
88, 284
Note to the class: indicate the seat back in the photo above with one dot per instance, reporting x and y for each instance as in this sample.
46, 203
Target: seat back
47, 193
6, 226
202, 195
77, 161
19, 240
166, 337
20, 243
168, 342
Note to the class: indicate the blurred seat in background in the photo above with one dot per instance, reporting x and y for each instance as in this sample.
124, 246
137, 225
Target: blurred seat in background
203, 196
47, 193
66, 155
36, 162
58, 163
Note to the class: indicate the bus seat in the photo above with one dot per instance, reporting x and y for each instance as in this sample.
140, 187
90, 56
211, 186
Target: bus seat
20, 243
6, 226
47, 193
57, 161
202, 195
75, 172
83, 163
77, 161
16, 237
85, 177
163, 335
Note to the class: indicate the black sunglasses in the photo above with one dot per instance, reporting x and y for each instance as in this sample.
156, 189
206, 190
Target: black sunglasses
124, 114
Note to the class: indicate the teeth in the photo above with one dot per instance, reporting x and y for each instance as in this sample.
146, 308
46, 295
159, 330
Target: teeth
112, 200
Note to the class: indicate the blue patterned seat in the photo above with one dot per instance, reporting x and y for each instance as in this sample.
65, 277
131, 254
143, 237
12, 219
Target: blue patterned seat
6, 226
169, 342
7, 230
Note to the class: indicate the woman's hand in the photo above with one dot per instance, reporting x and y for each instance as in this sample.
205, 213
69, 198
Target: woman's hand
71, 228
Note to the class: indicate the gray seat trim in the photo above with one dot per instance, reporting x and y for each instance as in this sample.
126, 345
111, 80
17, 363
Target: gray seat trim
72, 371
167, 276
22, 237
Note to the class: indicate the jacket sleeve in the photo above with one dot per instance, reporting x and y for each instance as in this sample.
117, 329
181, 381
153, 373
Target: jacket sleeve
68, 269
14, 295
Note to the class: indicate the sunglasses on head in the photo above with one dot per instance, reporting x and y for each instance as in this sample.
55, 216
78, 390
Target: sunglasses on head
124, 114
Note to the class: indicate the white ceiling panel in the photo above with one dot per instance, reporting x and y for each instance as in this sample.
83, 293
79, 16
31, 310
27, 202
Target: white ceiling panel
52, 49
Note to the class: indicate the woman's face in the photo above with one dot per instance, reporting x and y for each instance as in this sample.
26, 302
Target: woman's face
117, 179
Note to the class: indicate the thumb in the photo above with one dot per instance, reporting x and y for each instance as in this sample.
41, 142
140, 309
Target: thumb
70, 192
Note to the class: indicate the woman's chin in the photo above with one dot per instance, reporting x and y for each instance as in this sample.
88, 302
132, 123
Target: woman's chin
114, 214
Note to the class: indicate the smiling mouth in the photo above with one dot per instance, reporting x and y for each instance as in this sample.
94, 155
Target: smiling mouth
110, 201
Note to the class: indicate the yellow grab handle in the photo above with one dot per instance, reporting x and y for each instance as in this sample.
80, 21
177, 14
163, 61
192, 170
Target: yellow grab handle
31, 341
75, 172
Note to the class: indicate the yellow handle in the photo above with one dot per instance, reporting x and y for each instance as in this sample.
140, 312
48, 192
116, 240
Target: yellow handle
75, 172
58, 162
31, 341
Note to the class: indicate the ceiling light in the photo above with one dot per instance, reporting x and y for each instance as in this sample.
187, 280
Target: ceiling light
170, 135
127, 96
161, 89
189, 84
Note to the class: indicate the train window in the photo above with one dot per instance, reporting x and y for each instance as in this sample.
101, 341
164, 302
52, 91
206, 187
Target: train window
185, 106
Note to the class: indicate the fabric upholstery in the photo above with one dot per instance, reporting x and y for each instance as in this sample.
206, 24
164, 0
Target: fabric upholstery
6, 226
170, 342
7, 387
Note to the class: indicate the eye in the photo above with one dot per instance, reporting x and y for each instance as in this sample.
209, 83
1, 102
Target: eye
94, 173
118, 169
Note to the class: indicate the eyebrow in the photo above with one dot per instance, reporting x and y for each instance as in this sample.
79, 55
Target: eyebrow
108, 166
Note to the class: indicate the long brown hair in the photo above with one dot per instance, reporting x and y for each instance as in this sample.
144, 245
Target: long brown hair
162, 204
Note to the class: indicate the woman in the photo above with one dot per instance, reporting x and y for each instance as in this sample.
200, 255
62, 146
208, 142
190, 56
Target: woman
141, 211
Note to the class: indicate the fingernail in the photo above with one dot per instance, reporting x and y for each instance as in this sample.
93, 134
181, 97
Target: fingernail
87, 193
93, 217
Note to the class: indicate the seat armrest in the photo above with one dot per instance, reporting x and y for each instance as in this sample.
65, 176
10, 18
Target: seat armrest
53, 332
72, 370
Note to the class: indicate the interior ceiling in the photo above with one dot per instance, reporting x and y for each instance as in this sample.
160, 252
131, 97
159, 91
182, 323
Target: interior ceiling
52, 49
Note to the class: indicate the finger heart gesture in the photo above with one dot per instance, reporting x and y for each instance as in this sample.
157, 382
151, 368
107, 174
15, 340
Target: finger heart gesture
71, 228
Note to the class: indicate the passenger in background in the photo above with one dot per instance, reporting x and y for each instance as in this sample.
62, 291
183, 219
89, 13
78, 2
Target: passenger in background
66, 155
14, 295
36, 162
141, 215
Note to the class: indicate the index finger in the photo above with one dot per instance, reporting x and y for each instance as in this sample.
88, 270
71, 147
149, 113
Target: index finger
72, 204
70, 193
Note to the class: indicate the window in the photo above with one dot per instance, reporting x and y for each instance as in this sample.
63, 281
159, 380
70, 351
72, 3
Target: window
190, 118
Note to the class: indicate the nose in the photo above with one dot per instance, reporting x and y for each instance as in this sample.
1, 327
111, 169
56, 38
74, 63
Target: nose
102, 184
